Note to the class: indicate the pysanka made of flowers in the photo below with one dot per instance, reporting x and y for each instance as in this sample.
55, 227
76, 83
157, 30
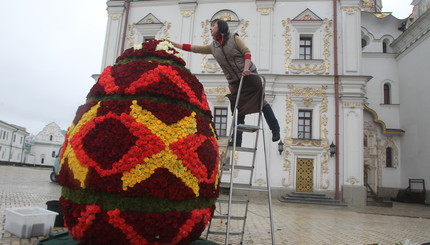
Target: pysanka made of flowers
139, 164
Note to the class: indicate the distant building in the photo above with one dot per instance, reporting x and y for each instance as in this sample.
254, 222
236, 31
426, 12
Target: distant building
12, 138
45, 146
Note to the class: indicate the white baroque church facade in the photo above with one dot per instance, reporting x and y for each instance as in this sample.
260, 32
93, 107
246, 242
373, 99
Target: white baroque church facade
44, 147
337, 71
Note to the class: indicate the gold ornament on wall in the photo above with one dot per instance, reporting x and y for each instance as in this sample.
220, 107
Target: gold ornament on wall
389, 142
243, 29
287, 43
352, 180
220, 92
307, 68
351, 10
265, 11
307, 95
115, 16
187, 13
368, 4
130, 36
165, 30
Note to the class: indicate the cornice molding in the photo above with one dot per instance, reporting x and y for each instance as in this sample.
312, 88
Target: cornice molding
413, 33
381, 123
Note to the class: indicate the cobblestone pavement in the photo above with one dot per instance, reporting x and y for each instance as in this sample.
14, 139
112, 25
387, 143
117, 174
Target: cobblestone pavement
294, 223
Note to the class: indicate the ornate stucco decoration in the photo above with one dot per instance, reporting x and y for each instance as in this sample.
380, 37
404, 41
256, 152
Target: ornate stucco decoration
372, 167
316, 66
115, 16
369, 4
306, 95
187, 13
287, 43
220, 93
389, 142
131, 35
287, 168
324, 139
260, 182
352, 180
209, 63
243, 29
351, 10
148, 26
165, 30
265, 11
352, 105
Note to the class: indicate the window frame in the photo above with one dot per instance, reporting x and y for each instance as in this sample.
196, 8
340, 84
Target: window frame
221, 126
387, 93
301, 134
305, 46
389, 157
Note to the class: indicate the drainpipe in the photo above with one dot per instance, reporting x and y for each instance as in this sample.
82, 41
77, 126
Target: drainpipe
336, 97
127, 10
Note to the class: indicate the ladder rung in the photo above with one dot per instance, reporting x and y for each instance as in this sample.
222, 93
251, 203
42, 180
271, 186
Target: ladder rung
240, 167
223, 233
231, 217
233, 201
247, 128
245, 149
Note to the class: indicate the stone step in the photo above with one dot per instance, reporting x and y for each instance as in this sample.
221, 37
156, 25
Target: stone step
319, 202
312, 196
329, 200
308, 194
380, 204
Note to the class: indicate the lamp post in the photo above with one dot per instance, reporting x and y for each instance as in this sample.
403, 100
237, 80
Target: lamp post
332, 149
280, 147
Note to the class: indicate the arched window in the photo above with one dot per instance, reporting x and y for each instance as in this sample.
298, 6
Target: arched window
50, 138
389, 157
387, 99
384, 47
365, 141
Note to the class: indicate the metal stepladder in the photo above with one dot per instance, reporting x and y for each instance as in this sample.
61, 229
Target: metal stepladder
240, 202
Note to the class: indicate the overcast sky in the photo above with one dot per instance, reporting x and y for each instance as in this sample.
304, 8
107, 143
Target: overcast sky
48, 51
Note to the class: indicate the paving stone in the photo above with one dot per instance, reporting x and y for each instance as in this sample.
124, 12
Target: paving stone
294, 223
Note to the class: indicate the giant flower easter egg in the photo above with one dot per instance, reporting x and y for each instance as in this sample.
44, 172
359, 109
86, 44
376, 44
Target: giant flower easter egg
140, 162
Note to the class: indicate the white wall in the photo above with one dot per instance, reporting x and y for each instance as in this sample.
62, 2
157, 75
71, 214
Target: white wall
414, 73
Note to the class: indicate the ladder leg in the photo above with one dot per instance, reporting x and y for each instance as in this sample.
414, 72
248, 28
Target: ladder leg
229, 156
269, 192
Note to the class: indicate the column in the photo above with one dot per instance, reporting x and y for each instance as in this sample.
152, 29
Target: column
114, 32
187, 9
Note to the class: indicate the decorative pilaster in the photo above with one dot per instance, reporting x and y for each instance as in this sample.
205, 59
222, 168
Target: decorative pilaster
187, 10
352, 98
265, 34
350, 21
114, 32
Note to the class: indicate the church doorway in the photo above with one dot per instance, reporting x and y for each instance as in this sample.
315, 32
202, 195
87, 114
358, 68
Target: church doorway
304, 175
